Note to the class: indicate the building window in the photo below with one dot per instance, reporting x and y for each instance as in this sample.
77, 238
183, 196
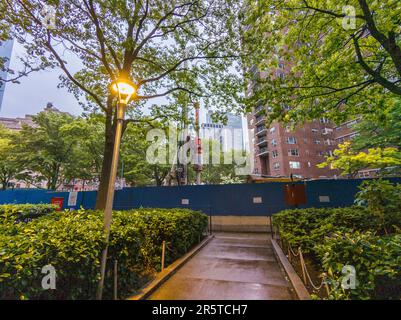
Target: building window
317, 141
291, 140
309, 164
324, 120
320, 153
295, 165
293, 153
272, 130
274, 143
315, 130
275, 154
276, 165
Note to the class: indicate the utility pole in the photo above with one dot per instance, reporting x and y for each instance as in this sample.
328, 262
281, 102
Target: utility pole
198, 147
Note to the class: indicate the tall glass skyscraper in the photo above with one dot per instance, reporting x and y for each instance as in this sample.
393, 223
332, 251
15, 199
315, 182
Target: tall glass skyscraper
6, 49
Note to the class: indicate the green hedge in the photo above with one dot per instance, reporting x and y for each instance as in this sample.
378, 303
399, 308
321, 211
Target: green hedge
335, 237
24, 211
72, 242
377, 262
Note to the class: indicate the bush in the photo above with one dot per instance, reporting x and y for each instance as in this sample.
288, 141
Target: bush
72, 242
383, 199
306, 228
24, 212
336, 237
302, 227
377, 262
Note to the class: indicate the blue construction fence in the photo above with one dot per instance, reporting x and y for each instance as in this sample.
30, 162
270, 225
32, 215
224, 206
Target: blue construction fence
262, 199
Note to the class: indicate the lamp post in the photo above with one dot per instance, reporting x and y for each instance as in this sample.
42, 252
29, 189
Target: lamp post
125, 89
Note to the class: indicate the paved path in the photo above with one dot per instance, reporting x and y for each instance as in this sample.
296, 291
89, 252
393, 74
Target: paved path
233, 266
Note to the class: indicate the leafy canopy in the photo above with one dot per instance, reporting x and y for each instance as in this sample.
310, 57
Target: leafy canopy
336, 58
350, 162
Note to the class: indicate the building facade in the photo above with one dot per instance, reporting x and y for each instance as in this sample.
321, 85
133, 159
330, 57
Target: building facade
346, 132
280, 151
5, 54
230, 135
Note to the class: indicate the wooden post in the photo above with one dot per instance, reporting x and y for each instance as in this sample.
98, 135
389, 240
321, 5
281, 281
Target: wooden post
301, 258
115, 280
326, 285
163, 253
271, 227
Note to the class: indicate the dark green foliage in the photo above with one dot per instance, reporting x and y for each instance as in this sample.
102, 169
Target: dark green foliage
72, 242
337, 237
21, 212
383, 199
377, 261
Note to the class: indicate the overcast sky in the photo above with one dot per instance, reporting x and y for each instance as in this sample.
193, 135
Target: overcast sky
35, 91
39, 88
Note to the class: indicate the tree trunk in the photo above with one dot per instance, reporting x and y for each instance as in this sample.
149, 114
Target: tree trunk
107, 160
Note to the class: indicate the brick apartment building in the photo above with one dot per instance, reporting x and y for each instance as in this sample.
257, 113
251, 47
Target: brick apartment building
346, 132
282, 152
279, 151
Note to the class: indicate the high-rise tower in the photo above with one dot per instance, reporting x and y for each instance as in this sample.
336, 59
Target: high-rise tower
6, 49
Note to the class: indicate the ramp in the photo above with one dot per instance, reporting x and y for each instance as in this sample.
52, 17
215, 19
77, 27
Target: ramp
232, 266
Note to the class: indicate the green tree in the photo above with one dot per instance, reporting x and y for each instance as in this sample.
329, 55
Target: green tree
350, 161
167, 47
10, 164
216, 170
137, 170
381, 128
337, 58
383, 199
55, 149
87, 136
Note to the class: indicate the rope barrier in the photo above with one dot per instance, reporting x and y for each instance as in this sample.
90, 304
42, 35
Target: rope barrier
305, 272
306, 275
292, 251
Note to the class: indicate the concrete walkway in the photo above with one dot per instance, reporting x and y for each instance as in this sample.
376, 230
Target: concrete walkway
233, 266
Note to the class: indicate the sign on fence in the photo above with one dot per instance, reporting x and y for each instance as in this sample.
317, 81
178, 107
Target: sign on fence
72, 198
58, 201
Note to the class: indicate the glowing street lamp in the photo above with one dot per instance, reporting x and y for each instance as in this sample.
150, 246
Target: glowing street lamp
125, 90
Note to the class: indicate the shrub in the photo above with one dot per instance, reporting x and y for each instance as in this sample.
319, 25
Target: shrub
72, 242
302, 227
377, 262
24, 212
336, 237
306, 228
383, 199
